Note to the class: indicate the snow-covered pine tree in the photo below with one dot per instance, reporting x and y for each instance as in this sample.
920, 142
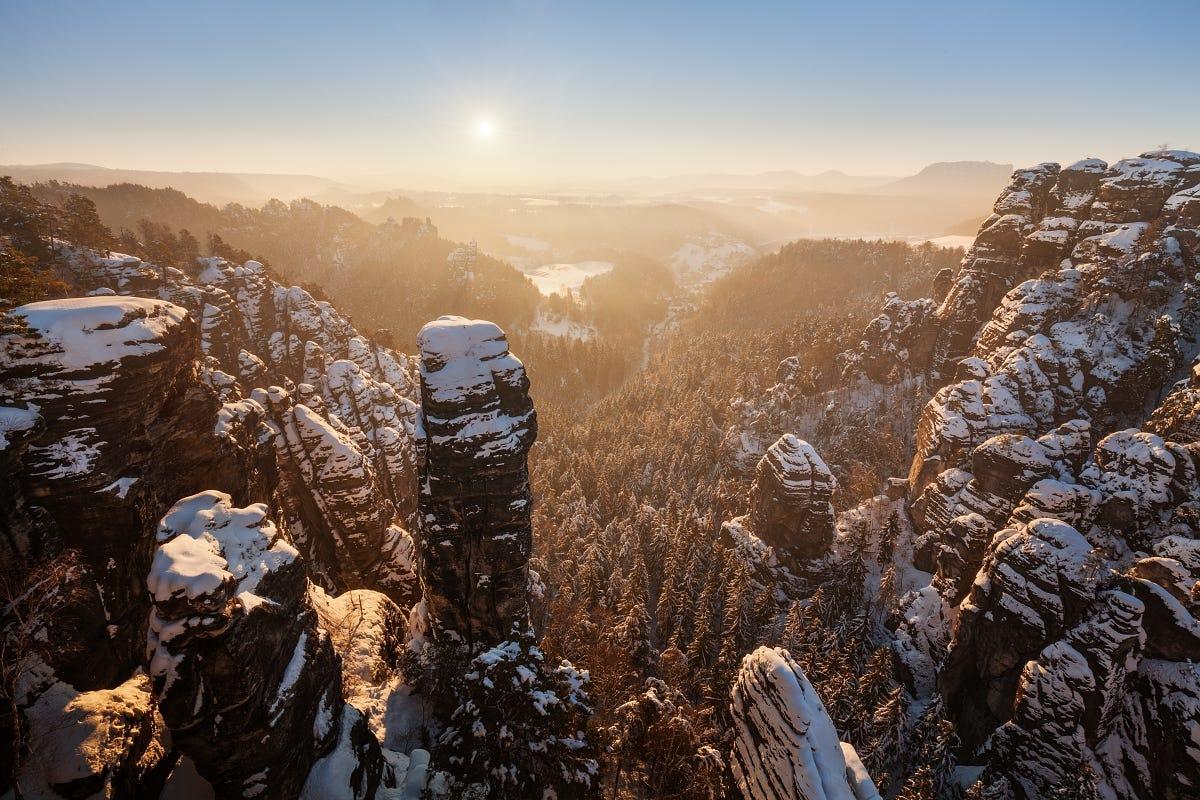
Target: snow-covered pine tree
519, 729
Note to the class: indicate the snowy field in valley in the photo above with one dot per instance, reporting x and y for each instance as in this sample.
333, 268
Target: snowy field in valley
558, 278
950, 241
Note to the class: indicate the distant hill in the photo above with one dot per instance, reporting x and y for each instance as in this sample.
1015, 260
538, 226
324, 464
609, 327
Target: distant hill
219, 188
775, 180
950, 178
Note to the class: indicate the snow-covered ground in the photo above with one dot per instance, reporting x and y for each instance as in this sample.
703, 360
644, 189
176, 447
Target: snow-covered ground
558, 278
949, 241
561, 326
703, 259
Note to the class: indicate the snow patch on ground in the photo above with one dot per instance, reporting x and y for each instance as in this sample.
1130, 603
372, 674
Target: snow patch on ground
566, 277
705, 258
561, 326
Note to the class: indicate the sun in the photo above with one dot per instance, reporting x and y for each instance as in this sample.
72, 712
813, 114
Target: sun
484, 129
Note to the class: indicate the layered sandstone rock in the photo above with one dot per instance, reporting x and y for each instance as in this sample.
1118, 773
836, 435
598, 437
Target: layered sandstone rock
99, 743
125, 424
332, 498
786, 746
478, 424
789, 531
897, 342
790, 499
1056, 505
230, 596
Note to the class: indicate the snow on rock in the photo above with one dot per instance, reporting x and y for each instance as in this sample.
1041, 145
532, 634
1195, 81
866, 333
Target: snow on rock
83, 744
124, 425
234, 627
368, 631
84, 332
211, 558
1035, 581
1045, 743
333, 497
478, 424
785, 745
790, 506
896, 342
16, 424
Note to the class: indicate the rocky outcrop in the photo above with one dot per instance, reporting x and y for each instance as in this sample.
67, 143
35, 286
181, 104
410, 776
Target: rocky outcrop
124, 424
478, 424
993, 263
897, 342
790, 506
1056, 497
1036, 581
785, 744
257, 333
332, 499
100, 743
230, 596
1096, 334
1055, 481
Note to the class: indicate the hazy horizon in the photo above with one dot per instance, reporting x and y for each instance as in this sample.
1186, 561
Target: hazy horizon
535, 93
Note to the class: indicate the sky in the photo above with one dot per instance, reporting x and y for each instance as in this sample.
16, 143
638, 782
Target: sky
520, 92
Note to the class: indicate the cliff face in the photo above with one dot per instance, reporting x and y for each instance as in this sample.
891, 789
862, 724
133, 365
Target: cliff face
342, 427
233, 628
478, 424
114, 406
1054, 490
115, 422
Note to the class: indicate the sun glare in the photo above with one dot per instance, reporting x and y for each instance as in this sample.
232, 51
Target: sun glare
484, 129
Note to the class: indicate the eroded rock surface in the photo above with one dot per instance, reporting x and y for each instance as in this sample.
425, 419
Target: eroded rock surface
230, 596
786, 746
478, 425
1054, 482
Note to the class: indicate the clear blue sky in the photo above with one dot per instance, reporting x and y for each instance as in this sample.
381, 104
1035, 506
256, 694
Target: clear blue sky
580, 90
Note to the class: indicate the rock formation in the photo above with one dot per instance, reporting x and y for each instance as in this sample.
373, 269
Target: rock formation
230, 595
897, 342
112, 407
789, 528
790, 500
122, 424
478, 424
786, 746
1054, 482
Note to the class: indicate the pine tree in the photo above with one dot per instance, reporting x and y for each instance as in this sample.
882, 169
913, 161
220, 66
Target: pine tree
921, 785
189, 248
887, 541
519, 728
737, 629
82, 225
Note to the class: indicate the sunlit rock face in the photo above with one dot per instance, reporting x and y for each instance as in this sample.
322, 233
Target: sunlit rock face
1054, 485
785, 744
478, 424
331, 497
790, 500
245, 677
1081, 311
